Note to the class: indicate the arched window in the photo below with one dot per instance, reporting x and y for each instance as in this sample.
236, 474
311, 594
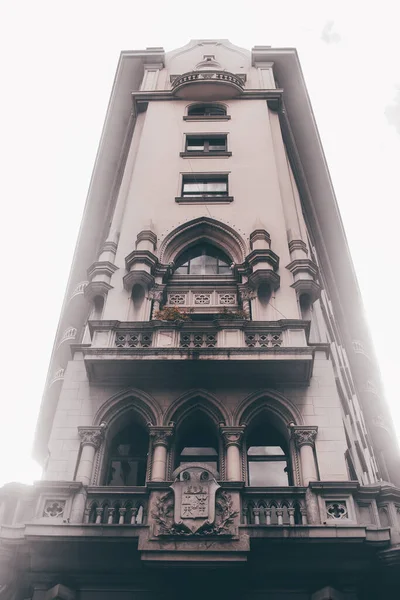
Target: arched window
128, 457
203, 259
206, 110
197, 442
267, 457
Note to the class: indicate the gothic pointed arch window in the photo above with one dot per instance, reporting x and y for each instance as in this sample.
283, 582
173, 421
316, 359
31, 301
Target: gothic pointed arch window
203, 259
127, 457
197, 442
268, 461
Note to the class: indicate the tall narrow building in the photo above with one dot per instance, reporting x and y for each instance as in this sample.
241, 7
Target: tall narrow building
213, 422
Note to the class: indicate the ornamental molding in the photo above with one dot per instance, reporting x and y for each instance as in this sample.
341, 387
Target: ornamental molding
97, 288
247, 293
304, 436
232, 436
140, 277
146, 236
156, 293
161, 436
91, 436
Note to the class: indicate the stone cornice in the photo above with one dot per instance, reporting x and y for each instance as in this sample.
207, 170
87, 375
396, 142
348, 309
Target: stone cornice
300, 265
101, 267
140, 276
97, 288
263, 256
146, 235
141, 256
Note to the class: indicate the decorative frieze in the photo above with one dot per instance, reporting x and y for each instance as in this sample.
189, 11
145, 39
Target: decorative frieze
133, 339
264, 339
202, 298
226, 299
91, 436
177, 299
197, 340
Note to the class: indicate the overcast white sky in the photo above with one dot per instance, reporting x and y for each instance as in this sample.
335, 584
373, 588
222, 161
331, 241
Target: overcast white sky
57, 64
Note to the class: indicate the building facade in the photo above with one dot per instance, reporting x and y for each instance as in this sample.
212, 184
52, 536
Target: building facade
213, 420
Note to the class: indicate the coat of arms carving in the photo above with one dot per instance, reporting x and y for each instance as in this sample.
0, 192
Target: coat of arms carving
194, 508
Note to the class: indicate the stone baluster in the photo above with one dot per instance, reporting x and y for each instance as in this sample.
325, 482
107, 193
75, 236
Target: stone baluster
303, 512
279, 514
91, 440
268, 513
133, 516
110, 518
122, 513
304, 438
99, 515
232, 437
256, 513
161, 437
291, 516
244, 515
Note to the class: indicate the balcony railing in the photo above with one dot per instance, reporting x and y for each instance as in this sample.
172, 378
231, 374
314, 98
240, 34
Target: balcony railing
210, 82
272, 507
108, 506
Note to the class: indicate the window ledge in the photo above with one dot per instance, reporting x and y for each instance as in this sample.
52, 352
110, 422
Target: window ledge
204, 154
204, 199
207, 118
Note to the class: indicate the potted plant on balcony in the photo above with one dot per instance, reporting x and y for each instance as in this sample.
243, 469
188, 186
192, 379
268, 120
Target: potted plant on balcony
174, 314
229, 317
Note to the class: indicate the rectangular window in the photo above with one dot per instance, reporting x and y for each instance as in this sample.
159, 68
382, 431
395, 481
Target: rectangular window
206, 144
194, 185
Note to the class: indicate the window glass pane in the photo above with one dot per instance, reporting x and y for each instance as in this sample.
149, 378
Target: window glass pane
183, 270
210, 265
196, 265
224, 269
268, 473
265, 451
188, 451
195, 144
217, 144
125, 472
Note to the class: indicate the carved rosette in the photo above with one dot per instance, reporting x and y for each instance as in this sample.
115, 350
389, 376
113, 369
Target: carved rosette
91, 436
304, 436
232, 436
161, 436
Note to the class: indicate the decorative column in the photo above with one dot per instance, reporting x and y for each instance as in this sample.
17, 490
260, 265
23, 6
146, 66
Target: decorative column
161, 437
156, 294
232, 437
92, 438
304, 438
246, 295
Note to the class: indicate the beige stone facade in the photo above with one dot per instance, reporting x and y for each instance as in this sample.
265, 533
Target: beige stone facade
212, 398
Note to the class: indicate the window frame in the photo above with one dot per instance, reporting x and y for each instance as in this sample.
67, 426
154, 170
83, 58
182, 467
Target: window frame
268, 458
221, 117
207, 138
202, 197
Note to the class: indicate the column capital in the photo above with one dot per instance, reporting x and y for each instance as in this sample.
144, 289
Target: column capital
91, 436
156, 293
232, 436
304, 436
161, 436
246, 292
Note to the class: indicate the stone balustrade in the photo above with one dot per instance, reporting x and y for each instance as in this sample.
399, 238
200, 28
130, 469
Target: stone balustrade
269, 507
115, 507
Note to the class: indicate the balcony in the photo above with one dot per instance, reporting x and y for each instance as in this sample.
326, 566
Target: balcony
273, 350
206, 85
